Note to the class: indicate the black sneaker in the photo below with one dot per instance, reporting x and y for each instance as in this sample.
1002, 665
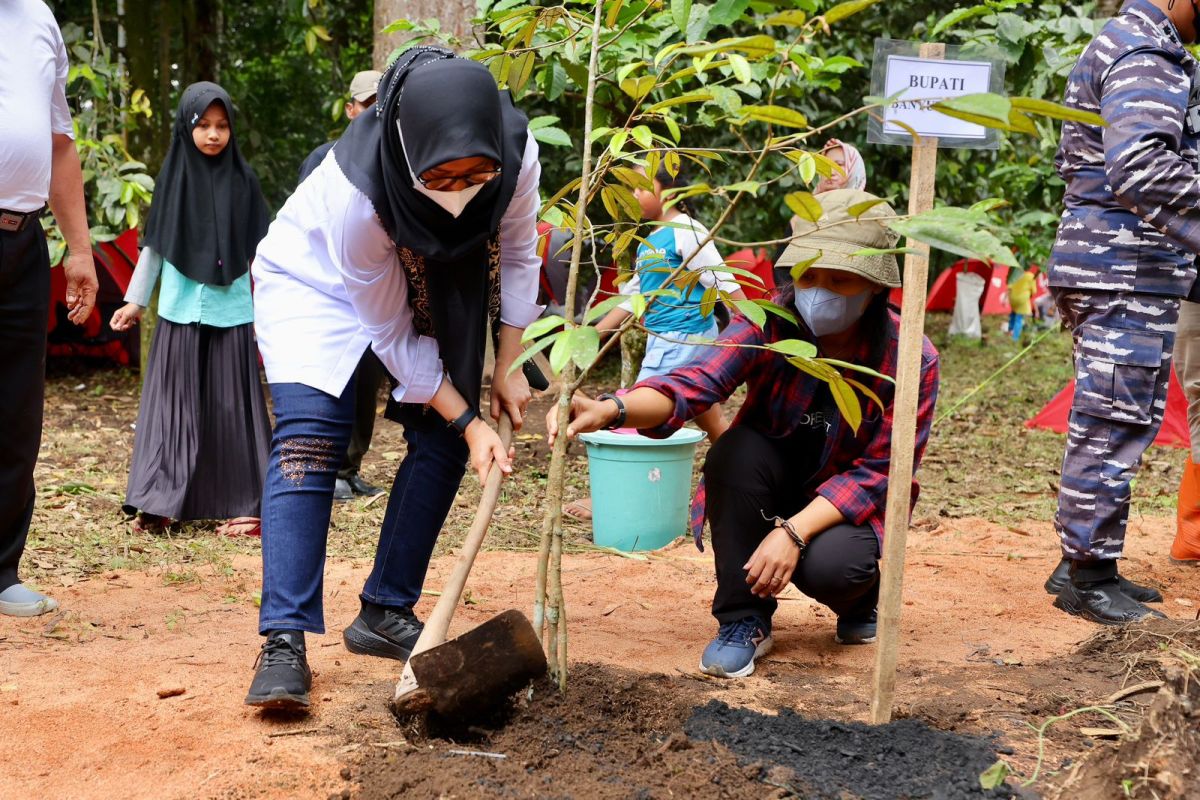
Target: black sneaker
1103, 602
383, 632
361, 487
1062, 576
342, 490
856, 629
283, 678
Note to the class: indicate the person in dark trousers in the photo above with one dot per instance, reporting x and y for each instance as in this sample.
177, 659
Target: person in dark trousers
38, 164
416, 238
1123, 261
370, 373
792, 492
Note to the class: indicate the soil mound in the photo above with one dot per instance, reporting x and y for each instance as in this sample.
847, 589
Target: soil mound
615, 734
903, 760
1161, 760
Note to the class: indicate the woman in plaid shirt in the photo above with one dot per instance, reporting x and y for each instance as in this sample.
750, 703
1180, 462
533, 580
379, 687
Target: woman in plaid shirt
792, 492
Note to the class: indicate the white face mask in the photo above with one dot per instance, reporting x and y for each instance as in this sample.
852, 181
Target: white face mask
452, 203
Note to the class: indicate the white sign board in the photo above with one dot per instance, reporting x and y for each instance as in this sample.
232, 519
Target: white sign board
925, 81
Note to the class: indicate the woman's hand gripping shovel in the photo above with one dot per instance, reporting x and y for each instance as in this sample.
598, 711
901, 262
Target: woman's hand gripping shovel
471, 674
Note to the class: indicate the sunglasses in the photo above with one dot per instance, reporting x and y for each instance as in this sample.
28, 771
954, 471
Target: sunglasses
457, 182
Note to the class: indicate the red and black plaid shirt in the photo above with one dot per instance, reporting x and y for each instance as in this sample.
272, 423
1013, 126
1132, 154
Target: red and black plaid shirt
853, 471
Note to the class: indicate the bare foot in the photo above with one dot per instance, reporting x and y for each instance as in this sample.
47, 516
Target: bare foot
579, 509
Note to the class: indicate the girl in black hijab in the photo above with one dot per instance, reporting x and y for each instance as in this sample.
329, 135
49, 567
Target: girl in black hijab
202, 436
417, 239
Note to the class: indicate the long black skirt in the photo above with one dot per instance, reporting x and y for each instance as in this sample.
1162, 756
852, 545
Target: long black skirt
203, 434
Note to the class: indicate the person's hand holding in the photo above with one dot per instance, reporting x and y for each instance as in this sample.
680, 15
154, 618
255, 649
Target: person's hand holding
587, 415
80, 271
486, 447
510, 393
126, 317
770, 568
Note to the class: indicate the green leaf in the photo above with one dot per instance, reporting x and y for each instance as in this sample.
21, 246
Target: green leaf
858, 209
637, 304
585, 344
752, 311
776, 115
560, 353
956, 16
790, 19
954, 236
544, 121
743, 186
866, 390
794, 347
994, 776
322, 33
800, 267
726, 12
741, 68
681, 10
805, 206
672, 127
691, 97
758, 46
614, 10
806, 166
603, 307
708, 301
984, 109
843, 10
532, 351
856, 368
540, 327
552, 136
518, 75
637, 88
1045, 108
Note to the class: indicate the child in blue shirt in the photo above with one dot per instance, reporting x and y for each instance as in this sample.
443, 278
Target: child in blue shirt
677, 318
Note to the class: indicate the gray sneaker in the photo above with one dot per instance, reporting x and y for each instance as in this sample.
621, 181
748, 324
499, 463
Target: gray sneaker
19, 600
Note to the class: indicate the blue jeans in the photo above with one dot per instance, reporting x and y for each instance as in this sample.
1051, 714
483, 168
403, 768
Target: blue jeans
309, 442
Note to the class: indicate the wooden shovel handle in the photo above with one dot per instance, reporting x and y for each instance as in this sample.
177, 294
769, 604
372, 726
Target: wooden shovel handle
439, 621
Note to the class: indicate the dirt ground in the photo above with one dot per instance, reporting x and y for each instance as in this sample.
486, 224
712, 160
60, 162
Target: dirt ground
983, 651
984, 654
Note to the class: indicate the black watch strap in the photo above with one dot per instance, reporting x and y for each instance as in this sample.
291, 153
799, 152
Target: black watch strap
464, 420
619, 422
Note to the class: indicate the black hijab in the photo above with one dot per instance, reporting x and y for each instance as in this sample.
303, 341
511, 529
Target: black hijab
449, 108
208, 212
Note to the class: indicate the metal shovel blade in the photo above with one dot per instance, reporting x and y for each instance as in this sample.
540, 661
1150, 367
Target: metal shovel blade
477, 671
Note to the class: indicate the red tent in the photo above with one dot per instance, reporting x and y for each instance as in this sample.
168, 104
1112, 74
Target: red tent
1173, 433
941, 294
115, 261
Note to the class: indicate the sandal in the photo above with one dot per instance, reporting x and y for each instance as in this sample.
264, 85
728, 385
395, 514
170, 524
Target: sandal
579, 509
241, 526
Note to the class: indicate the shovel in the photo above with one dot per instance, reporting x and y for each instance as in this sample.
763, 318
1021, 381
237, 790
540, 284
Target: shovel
471, 674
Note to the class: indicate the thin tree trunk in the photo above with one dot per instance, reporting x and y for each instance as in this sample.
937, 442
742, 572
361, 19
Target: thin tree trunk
454, 15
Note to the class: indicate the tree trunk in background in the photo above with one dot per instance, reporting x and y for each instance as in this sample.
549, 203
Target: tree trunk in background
1107, 8
455, 16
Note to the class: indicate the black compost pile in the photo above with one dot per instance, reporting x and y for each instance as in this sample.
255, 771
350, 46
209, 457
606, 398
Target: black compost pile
903, 760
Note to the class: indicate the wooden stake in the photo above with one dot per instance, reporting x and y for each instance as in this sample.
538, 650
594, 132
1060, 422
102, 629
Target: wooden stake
904, 425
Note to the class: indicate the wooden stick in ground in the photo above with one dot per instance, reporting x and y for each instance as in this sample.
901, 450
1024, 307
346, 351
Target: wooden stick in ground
438, 623
904, 426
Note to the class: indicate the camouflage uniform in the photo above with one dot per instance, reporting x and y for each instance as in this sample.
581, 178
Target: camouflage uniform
1123, 260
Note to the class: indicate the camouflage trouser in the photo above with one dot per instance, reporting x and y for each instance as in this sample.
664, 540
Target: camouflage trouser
1123, 345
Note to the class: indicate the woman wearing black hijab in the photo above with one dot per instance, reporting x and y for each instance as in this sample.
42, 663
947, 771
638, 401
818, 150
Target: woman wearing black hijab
202, 438
415, 237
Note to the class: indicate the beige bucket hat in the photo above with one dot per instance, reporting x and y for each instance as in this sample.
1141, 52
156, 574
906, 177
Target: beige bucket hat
838, 235
364, 84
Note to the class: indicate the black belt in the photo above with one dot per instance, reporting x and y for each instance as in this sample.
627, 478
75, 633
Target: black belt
13, 221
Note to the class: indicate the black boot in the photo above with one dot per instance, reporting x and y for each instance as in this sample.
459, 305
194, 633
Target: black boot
1102, 602
283, 678
361, 487
1062, 575
383, 632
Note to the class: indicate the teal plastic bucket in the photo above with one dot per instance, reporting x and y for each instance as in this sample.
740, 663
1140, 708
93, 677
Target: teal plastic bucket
641, 487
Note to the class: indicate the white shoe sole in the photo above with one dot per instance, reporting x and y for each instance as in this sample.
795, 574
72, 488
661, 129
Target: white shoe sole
763, 648
35, 609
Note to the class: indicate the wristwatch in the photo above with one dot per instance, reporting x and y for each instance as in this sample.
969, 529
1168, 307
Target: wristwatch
619, 422
464, 420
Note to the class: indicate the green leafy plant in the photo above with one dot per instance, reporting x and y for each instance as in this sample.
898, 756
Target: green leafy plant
105, 111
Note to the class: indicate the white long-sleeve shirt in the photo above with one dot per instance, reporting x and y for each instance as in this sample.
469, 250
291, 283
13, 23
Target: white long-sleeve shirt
328, 284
